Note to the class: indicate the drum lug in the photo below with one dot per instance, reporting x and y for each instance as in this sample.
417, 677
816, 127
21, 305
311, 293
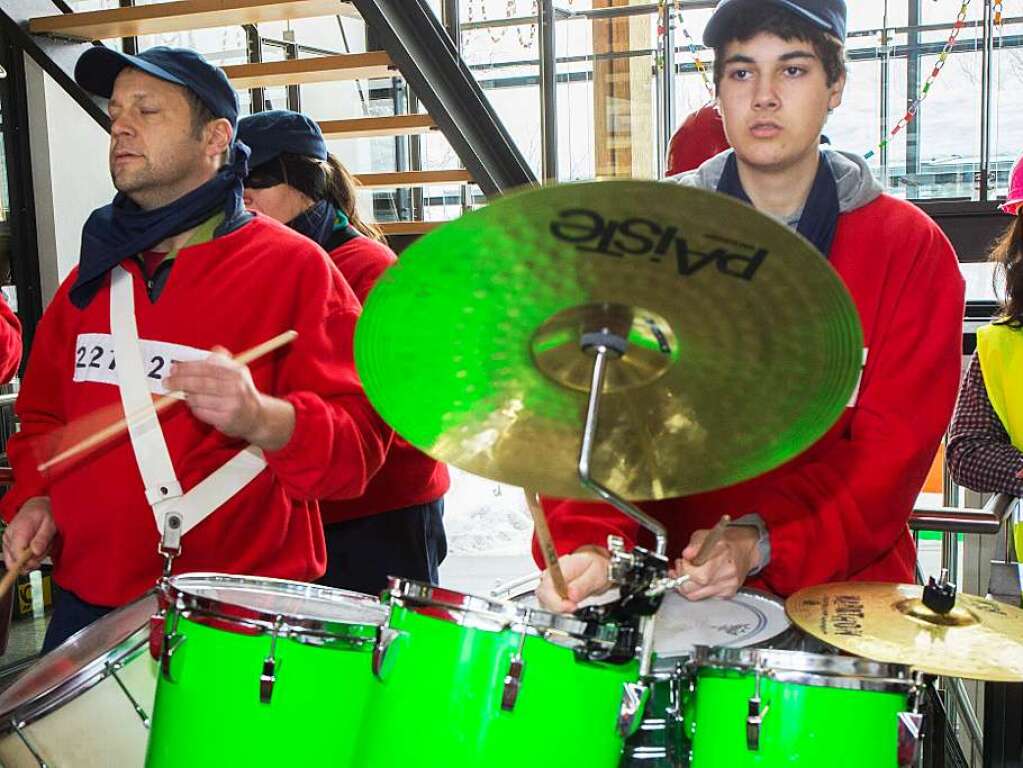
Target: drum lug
19, 730
268, 679
385, 637
634, 696
911, 732
171, 643
513, 679
756, 713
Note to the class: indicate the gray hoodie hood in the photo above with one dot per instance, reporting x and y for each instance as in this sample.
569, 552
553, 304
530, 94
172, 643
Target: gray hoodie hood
857, 186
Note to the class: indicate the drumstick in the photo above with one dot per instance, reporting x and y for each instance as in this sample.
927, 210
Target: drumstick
12, 575
161, 404
546, 541
709, 543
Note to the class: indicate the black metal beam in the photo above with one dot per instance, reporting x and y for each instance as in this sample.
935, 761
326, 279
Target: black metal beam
428, 59
56, 57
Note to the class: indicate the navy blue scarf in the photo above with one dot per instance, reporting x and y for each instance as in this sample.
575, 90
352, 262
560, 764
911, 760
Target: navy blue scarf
122, 229
325, 225
820, 216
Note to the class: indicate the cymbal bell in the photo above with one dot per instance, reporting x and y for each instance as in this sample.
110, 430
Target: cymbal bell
743, 345
979, 639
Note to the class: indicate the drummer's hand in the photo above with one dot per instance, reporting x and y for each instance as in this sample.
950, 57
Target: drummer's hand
33, 526
220, 392
585, 572
730, 562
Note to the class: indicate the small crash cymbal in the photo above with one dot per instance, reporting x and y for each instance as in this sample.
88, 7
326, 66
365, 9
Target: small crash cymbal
744, 346
979, 639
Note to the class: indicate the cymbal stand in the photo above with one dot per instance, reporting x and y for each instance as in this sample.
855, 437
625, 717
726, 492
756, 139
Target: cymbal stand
634, 571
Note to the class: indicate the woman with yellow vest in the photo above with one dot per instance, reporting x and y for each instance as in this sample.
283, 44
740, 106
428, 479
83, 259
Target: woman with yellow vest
985, 443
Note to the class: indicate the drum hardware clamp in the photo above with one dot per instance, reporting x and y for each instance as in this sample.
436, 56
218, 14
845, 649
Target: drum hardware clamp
940, 596
170, 541
513, 680
756, 713
268, 679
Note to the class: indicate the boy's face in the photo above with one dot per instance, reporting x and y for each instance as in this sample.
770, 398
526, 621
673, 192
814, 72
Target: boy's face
774, 98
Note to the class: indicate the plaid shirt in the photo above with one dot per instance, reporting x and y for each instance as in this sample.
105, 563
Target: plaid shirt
980, 454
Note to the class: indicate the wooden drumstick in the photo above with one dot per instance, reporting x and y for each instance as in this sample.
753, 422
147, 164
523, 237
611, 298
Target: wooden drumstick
709, 543
546, 541
12, 575
161, 404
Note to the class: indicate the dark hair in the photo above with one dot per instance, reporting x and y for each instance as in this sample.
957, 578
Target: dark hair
1008, 254
201, 114
324, 180
787, 26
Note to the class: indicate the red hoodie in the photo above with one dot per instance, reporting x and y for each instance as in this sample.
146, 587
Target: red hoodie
840, 510
236, 291
10, 342
408, 477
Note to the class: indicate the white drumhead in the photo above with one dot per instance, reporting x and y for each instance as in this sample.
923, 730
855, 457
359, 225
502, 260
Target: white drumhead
79, 654
278, 597
750, 618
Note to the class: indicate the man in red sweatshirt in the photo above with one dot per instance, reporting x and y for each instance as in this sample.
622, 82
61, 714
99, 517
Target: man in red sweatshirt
840, 510
174, 277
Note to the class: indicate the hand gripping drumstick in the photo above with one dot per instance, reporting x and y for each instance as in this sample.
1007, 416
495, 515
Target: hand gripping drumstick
709, 543
11, 576
546, 541
163, 403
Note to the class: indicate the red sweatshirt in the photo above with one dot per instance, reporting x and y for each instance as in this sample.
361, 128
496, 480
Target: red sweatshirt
408, 477
236, 291
840, 510
10, 342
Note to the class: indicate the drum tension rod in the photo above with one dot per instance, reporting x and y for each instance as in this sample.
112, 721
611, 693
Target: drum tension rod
756, 713
513, 680
268, 679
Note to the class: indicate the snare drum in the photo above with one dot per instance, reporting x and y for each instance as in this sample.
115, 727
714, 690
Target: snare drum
769, 708
750, 619
86, 703
261, 672
491, 682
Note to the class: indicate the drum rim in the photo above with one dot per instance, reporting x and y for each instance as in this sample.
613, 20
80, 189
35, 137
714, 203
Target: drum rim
301, 627
81, 680
804, 668
493, 615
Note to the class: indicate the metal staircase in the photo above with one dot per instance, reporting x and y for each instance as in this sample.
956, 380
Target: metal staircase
417, 49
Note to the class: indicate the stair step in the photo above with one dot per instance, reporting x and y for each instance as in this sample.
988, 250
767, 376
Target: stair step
372, 127
318, 69
181, 16
413, 178
408, 227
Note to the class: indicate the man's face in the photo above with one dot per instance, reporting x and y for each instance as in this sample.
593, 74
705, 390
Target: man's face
774, 98
155, 157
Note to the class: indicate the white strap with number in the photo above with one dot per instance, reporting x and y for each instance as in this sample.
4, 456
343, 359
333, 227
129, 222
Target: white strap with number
163, 491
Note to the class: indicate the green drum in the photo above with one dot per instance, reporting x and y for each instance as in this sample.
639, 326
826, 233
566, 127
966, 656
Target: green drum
485, 682
767, 708
261, 672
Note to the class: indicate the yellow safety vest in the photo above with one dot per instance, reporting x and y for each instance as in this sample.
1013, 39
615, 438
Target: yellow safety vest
1000, 350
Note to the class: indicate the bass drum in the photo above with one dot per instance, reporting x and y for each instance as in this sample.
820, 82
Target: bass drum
87, 703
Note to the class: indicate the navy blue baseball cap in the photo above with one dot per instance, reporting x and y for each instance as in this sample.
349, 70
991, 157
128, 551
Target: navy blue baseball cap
828, 15
98, 68
271, 133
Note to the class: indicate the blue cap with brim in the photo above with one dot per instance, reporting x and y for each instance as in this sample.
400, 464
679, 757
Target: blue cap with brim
828, 15
271, 133
98, 68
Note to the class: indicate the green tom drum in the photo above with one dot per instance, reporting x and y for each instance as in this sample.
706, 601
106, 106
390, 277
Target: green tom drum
767, 708
258, 671
494, 683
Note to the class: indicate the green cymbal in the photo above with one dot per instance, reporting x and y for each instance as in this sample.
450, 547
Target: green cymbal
744, 345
